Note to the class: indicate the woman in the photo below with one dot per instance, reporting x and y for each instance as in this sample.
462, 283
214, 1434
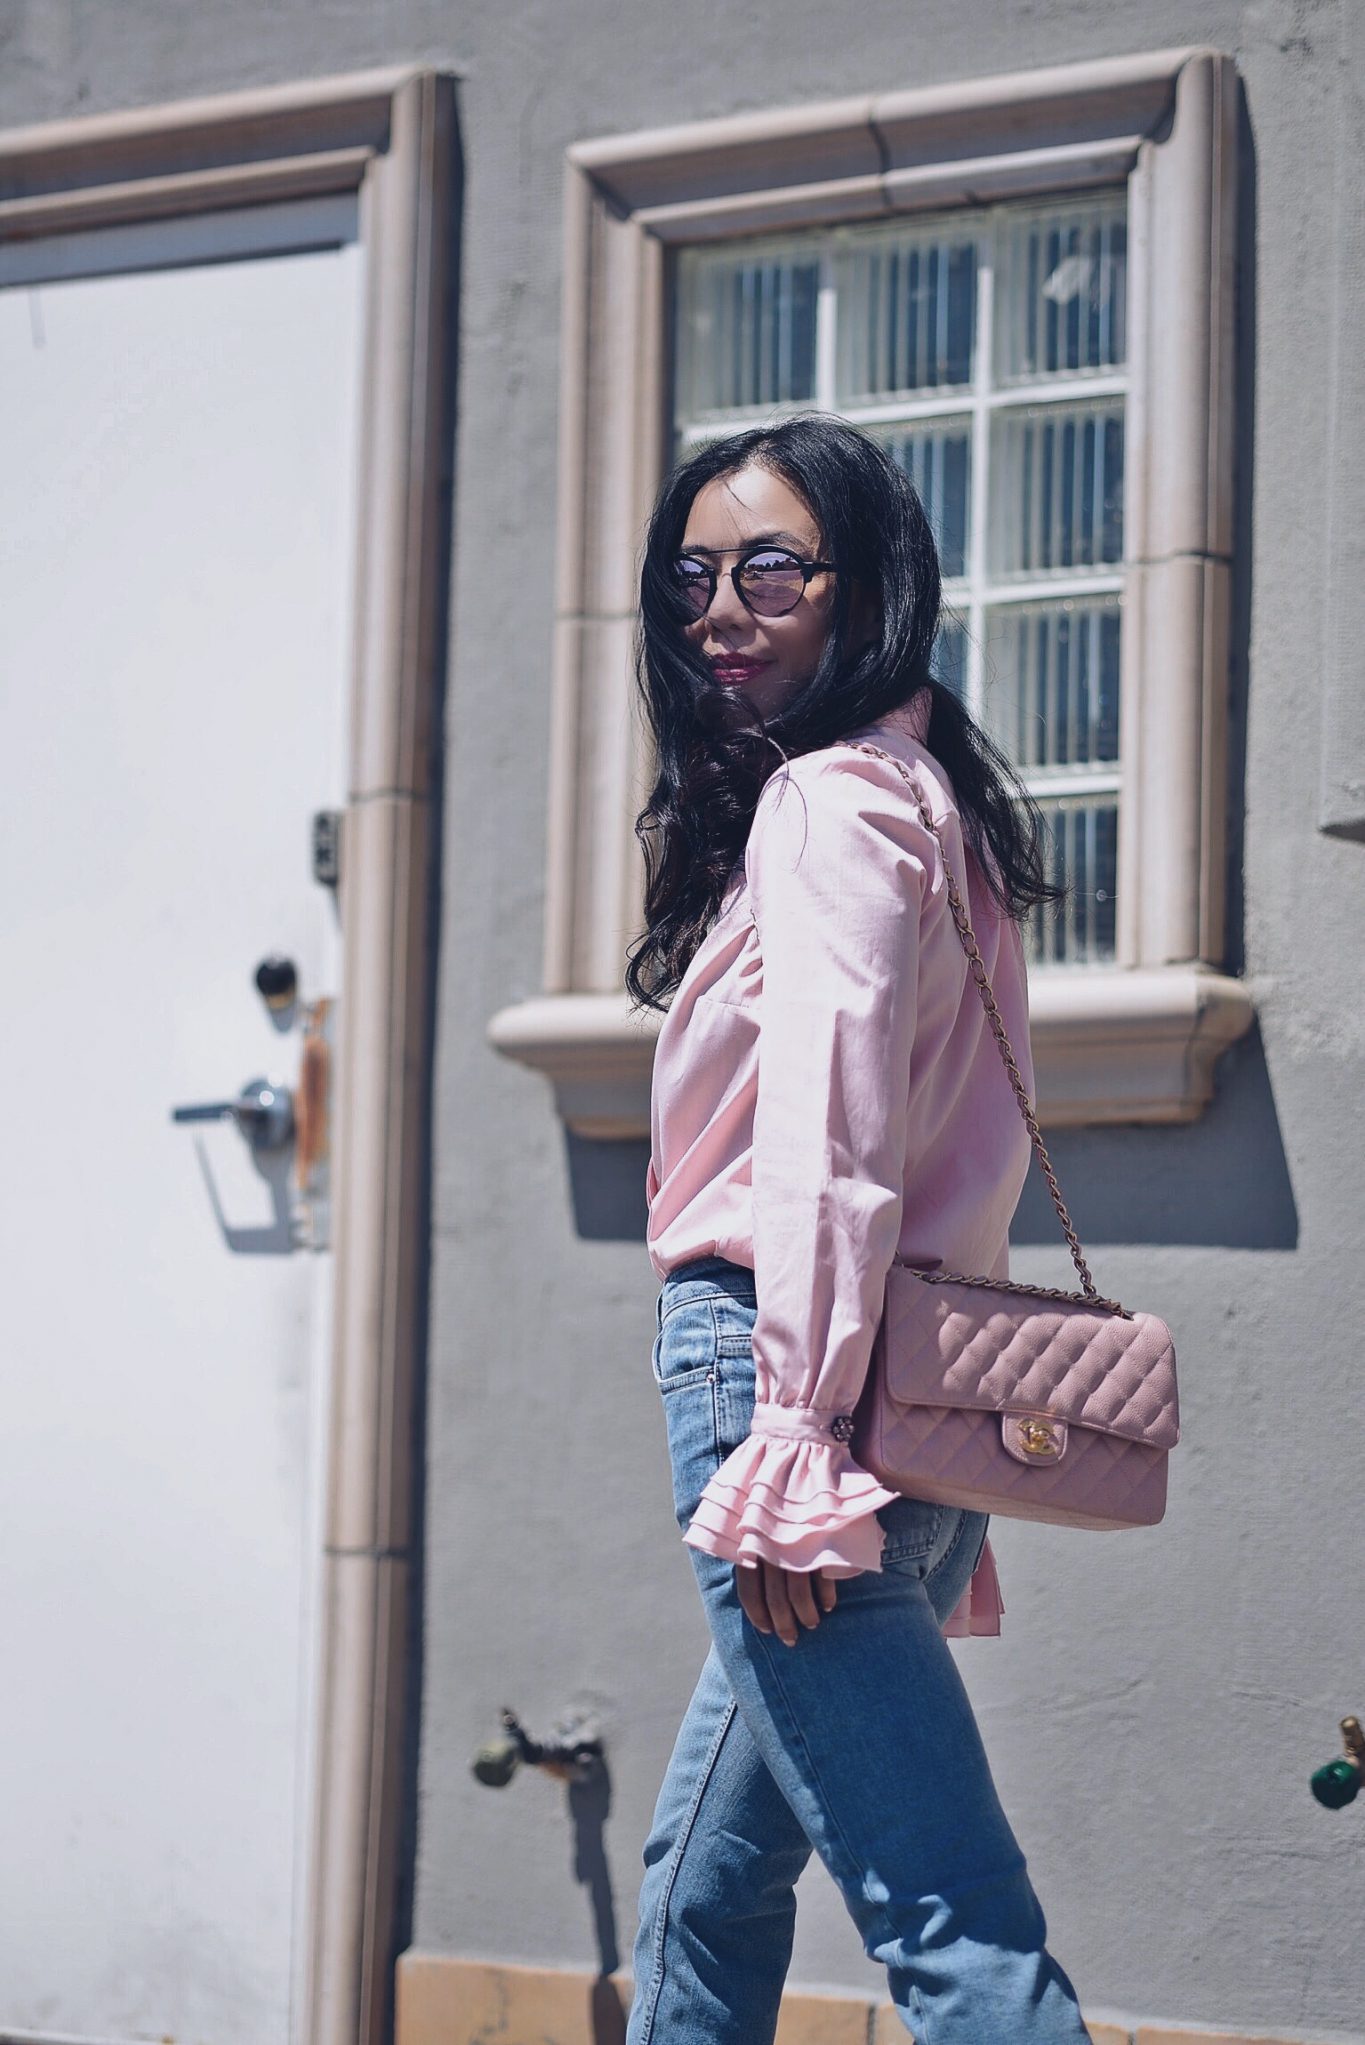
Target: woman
826, 1093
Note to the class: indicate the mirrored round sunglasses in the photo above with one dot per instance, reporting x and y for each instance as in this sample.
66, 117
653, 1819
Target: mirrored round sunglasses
770, 581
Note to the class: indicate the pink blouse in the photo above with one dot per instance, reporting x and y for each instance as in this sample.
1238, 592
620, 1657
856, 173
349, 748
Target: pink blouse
827, 1092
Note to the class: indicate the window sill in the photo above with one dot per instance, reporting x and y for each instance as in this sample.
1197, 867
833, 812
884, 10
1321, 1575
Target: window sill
1121, 1045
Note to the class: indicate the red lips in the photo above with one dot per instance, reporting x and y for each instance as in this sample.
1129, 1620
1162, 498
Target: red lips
731, 669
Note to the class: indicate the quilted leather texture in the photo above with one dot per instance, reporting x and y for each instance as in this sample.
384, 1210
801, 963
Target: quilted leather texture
950, 1360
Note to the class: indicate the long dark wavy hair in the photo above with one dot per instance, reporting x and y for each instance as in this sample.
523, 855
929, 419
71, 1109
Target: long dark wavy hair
712, 767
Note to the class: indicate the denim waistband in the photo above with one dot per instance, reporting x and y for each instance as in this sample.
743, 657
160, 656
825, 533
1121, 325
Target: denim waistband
720, 1273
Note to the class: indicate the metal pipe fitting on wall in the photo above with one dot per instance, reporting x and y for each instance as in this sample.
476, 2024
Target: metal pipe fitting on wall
573, 1753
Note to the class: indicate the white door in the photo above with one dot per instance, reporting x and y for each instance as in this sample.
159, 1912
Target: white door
176, 512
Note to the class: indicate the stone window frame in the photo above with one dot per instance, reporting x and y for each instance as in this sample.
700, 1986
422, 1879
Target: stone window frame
1133, 1042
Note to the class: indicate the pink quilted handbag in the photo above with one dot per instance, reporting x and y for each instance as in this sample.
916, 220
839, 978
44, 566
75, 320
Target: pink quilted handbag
1016, 1399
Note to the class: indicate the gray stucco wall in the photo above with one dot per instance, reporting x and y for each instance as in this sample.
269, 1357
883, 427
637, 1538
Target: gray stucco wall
1157, 1702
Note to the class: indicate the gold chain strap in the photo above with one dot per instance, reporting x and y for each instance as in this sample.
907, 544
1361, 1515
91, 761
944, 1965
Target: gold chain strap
983, 986
1089, 1299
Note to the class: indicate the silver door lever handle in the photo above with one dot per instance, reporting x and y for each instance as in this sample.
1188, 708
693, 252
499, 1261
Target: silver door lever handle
264, 1113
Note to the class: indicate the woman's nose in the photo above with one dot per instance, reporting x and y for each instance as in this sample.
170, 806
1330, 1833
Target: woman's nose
726, 608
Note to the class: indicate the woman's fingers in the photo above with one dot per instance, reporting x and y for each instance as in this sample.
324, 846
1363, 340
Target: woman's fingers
800, 1591
777, 1600
749, 1580
779, 1603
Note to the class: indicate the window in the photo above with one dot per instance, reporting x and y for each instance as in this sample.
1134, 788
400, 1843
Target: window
987, 349
1025, 286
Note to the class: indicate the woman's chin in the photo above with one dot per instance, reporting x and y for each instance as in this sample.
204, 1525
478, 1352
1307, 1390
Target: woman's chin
747, 706
726, 708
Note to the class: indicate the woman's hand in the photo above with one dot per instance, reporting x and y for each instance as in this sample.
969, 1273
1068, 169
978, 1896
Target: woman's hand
775, 1599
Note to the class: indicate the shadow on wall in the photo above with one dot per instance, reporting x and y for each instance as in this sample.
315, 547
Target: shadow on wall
589, 1805
607, 1188
1243, 534
1221, 1182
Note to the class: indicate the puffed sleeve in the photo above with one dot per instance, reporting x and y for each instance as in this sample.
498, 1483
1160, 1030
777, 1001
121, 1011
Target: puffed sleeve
837, 863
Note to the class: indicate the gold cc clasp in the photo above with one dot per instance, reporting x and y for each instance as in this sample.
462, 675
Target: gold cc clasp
1037, 1437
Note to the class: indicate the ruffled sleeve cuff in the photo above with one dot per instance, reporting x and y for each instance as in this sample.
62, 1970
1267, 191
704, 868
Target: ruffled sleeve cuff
791, 1494
978, 1611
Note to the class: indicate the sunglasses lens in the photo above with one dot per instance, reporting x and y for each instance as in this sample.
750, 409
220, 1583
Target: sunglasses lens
693, 579
772, 582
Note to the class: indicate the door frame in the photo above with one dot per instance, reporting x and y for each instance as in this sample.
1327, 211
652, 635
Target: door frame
389, 139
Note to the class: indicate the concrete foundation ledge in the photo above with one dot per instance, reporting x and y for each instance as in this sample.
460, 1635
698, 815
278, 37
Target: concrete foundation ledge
442, 2000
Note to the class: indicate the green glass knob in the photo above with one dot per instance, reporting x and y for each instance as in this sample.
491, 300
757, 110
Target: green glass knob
1336, 1785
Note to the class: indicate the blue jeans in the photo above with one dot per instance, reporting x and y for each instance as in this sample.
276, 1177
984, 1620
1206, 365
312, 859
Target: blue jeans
859, 1742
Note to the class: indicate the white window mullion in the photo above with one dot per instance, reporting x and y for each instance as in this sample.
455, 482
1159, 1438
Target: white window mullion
908, 410
1051, 588
826, 332
697, 430
1057, 390
1051, 783
978, 524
